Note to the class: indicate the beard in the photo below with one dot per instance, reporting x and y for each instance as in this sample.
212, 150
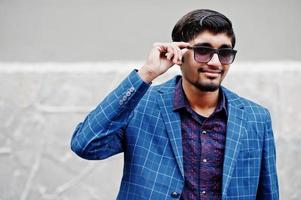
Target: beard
207, 87
202, 82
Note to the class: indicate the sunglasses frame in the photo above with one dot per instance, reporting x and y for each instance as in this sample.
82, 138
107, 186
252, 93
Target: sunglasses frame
213, 51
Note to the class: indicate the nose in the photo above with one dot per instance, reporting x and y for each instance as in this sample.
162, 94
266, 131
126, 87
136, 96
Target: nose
214, 60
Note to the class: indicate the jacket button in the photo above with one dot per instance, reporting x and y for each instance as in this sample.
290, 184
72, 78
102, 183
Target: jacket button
175, 195
132, 89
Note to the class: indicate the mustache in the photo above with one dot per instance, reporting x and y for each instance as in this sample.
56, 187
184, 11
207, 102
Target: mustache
217, 70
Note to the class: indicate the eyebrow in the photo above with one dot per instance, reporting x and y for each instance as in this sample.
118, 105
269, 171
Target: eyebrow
209, 45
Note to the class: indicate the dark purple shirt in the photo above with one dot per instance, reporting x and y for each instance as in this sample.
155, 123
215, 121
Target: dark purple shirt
203, 141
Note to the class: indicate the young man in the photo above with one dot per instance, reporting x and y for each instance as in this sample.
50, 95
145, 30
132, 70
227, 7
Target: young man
189, 138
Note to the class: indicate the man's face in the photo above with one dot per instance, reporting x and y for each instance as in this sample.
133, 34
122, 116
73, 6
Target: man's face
208, 76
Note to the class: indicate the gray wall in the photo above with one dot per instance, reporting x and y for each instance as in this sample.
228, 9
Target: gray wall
95, 30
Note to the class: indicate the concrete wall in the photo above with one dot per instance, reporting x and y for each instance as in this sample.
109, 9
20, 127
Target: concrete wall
41, 103
106, 30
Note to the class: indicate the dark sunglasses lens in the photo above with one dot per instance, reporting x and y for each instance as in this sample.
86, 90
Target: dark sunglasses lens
202, 54
226, 56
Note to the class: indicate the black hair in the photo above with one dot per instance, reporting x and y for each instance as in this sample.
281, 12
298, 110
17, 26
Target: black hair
198, 21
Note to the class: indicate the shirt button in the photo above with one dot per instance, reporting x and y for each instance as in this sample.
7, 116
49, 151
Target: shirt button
204, 160
175, 195
204, 132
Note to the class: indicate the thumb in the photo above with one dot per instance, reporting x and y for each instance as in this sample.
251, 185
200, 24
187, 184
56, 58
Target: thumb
184, 51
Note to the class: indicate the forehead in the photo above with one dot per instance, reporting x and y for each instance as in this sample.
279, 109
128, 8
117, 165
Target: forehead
215, 40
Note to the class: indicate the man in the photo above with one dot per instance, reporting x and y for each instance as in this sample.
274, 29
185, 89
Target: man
189, 138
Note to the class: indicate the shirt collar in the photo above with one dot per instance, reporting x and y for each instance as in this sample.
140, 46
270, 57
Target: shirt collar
180, 100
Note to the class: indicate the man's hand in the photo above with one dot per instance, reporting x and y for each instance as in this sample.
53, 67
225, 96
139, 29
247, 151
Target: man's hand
161, 57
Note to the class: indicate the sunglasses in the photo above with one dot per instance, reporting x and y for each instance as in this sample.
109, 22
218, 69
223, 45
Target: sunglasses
203, 54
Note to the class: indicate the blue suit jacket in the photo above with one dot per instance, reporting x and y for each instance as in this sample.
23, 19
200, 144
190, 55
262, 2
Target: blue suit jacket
139, 120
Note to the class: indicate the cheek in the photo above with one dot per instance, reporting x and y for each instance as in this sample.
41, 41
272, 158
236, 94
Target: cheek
226, 69
188, 61
188, 57
186, 71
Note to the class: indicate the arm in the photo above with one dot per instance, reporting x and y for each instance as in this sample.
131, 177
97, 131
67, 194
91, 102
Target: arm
268, 182
101, 134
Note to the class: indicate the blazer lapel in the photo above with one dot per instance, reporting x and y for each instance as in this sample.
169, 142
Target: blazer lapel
235, 131
172, 123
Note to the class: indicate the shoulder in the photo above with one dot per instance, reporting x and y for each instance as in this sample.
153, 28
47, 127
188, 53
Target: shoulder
252, 109
165, 90
165, 87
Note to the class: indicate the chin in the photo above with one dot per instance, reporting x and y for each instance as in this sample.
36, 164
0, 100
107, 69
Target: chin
208, 87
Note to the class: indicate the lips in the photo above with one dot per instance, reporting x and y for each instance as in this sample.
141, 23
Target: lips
211, 73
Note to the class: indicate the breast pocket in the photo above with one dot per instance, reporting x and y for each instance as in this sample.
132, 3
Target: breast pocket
249, 154
250, 148
250, 143
248, 163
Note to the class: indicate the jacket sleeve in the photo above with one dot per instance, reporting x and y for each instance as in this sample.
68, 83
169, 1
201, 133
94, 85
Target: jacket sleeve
268, 181
101, 134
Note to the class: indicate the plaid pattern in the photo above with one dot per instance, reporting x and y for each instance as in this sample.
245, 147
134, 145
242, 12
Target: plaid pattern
139, 120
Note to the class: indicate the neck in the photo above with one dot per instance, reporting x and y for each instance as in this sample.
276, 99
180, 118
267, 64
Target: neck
202, 102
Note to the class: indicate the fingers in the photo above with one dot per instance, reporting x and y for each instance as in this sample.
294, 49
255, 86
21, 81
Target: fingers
173, 51
179, 50
182, 45
170, 52
184, 51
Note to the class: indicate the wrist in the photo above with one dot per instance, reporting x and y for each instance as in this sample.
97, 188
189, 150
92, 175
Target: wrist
146, 75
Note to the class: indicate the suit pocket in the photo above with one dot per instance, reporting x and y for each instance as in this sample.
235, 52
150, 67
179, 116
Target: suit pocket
249, 154
250, 145
248, 164
247, 169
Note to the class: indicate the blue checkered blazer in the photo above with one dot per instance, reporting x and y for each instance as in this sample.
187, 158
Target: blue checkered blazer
139, 120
